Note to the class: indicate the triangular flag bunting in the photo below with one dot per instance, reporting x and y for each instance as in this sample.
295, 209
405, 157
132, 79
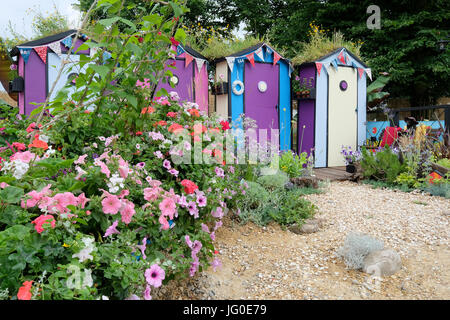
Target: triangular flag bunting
268, 50
360, 72
369, 73
291, 69
251, 58
187, 59
180, 50
341, 56
67, 41
200, 63
240, 60
327, 66
335, 63
56, 47
276, 57
260, 53
42, 53
230, 61
25, 52
319, 67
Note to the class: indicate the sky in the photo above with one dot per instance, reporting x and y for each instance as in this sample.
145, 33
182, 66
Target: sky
16, 12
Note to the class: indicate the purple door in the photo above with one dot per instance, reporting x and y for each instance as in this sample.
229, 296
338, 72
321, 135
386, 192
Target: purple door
184, 77
261, 95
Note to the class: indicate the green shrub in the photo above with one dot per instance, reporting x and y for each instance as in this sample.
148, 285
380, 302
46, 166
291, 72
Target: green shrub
292, 163
274, 181
439, 189
444, 162
384, 165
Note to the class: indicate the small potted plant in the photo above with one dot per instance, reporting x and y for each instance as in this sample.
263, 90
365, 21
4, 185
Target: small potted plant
351, 158
220, 87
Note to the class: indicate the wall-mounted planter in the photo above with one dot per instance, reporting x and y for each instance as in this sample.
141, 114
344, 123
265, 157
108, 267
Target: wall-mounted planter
17, 85
221, 88
305, 94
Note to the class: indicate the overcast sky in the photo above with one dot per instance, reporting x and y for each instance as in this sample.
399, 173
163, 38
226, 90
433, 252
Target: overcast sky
18, 12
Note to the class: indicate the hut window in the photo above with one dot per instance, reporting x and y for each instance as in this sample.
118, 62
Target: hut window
174, 80
343, 85
262, 86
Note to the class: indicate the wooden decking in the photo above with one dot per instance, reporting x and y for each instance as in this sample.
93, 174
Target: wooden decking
333, 174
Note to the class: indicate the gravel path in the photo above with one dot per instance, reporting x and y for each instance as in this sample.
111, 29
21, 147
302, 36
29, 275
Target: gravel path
271, 263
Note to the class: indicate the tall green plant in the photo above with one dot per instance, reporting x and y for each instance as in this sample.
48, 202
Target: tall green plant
382, 165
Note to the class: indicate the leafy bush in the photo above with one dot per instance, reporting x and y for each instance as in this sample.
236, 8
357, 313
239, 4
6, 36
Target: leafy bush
444, 162
441, 189
294, 165
274, 181
356, 247
383, 165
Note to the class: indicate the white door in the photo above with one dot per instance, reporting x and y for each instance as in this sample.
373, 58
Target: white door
342, 113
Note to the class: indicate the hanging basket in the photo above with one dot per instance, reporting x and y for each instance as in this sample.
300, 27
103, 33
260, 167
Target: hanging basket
220, 88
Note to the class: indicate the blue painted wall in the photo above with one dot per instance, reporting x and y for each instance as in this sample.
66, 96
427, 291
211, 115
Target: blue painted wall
380, 125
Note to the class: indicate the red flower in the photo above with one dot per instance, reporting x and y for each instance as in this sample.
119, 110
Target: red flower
144, 110
139, 133
225, 125
189, 186
171, 114
41, 220
19, 146
38, 144
175, 128
174, 42
25, 291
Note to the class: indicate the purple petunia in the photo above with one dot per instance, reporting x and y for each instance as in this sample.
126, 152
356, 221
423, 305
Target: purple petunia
219, 172
201, 200
166, 164
193, 210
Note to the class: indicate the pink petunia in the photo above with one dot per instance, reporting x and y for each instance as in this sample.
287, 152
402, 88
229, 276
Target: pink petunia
80, 159
218, 213
155, 275
201, 200
82, 200
26, 156
111, 204
168, 207
166, 164
127, 212
219, 172
112, 229
41, 220
147, 295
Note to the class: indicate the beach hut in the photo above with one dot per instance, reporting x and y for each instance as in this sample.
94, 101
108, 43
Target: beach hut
256, 82
331, 106
190, 77
38, 63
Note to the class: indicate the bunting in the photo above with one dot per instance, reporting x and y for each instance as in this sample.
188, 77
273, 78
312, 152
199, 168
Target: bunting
341, 56
369, 73
327, 66
291, 69
319, 67
180, 50
276, 57
230, 61
42, 53
240, 60
56, 47
67, 41
199, 63
251, 58
360, 72
25, 53
260, 53
187, 59
335, 63
268, 50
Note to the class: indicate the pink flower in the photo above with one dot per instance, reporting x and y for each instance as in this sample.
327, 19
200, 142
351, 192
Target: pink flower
164, 223
218, 213
62, 200
168, 207
151, 194
171, 114
166, 164
158, 154
142, 247
174, 172
104, 167
219, 172
216, 264
41, 220
182, 201
205, 228
111, 204
26, 156
201, 200
127, 212
19, 146
155, 275
193, 210
80, 159
112, 229
82, 200
147, 295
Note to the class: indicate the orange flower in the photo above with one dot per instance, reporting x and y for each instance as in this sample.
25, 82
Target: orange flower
194, 112
144, 110
38, 144
25, 291
175, 128
150, 109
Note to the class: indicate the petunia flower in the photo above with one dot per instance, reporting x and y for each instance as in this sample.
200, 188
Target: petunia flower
154, 275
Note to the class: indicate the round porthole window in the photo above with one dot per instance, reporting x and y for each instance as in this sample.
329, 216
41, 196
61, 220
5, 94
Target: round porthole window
174, 80
343, 85
262, 86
